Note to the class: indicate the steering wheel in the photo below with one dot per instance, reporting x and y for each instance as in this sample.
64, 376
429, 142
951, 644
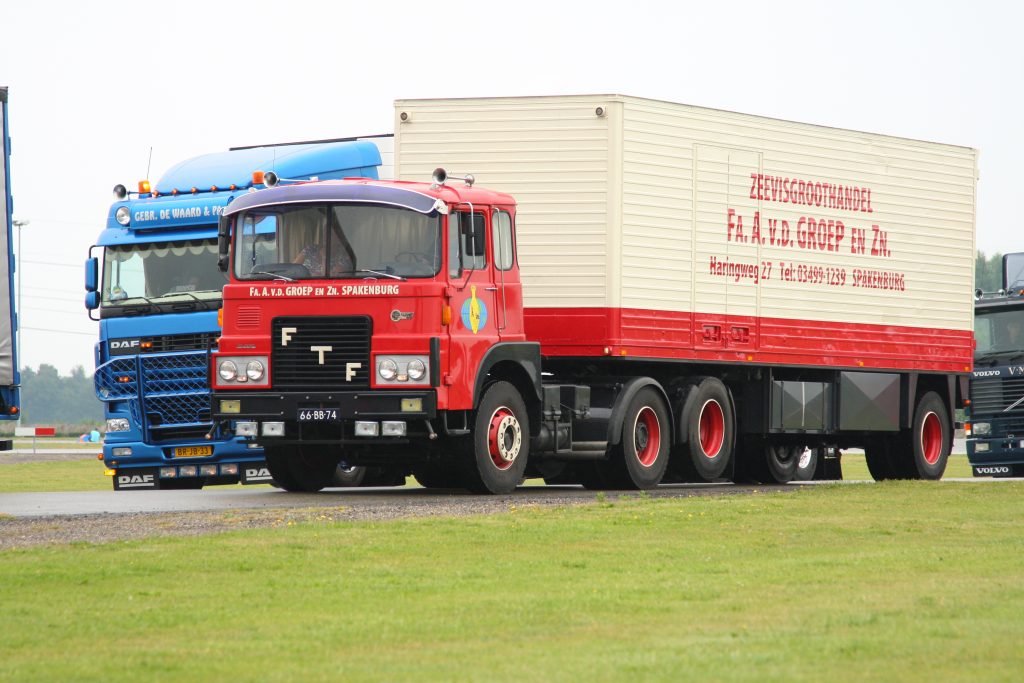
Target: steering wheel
413, 258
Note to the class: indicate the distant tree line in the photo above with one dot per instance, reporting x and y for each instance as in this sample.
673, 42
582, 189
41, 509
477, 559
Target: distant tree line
47, 398
988, 272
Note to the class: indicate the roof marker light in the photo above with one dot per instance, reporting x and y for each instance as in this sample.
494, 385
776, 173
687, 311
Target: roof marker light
144, 187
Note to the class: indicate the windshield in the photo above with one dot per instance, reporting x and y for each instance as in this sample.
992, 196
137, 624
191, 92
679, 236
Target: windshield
999, 332
336, 241
162, 272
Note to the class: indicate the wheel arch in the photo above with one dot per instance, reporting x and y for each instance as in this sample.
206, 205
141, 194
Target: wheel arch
517, 363
629, 389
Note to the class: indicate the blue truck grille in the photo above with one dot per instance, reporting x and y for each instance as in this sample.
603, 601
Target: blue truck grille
117, 380
168, 392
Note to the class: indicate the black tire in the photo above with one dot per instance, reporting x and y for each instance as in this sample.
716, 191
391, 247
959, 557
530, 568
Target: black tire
347, 476
302, 469
385, 475
876, 456
438, 476
930, 439
781, 463
707, 431
499, 446
639, 460
807, 464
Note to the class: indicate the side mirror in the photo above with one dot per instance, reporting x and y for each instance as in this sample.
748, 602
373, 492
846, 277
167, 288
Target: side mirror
92, 278
92, 300
223, 243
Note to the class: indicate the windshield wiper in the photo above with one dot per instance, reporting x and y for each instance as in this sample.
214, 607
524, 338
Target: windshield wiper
276, 276
377, 272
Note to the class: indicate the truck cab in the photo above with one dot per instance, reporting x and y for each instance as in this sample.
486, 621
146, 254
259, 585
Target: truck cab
362, 319
995, 426
157, 291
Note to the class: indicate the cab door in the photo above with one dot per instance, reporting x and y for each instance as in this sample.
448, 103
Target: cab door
473, 329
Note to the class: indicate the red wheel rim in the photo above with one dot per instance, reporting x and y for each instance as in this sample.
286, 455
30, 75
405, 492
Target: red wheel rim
931, 438
711, 429
504, 438
647, 436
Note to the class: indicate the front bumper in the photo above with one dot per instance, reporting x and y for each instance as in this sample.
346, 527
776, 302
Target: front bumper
336, 414
997, 456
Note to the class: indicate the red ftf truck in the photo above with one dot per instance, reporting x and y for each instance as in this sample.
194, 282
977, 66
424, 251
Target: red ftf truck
647, 292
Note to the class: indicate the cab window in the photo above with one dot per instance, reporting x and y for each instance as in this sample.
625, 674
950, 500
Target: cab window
466, 243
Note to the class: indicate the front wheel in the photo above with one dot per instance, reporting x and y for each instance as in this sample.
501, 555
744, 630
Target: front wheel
500, 443
301, 469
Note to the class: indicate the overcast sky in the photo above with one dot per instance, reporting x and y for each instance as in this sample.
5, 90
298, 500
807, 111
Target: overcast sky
94, 86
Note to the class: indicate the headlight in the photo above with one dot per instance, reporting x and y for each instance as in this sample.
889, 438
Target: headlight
123, 215
416, 370
228, 370
118, 424
981, 428
387, 369
254, 370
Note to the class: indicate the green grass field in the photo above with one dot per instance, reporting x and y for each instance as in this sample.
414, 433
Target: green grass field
901, 581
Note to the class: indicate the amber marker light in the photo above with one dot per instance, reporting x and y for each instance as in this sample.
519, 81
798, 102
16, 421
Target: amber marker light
446, 315
257, 177
99, 456
14, 410
123, 379
220, 317
144, 187
146, 345
624, 352
109, 473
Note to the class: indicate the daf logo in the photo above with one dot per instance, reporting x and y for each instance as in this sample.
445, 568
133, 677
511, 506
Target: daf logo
124, 343
135, 481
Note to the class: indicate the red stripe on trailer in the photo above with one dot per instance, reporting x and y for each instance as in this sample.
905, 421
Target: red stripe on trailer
716, 337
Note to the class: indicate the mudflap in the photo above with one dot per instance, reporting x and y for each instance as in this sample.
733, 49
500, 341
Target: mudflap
255, 473
144, 478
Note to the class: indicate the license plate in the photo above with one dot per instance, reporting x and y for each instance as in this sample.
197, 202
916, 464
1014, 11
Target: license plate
193, 451
318, 414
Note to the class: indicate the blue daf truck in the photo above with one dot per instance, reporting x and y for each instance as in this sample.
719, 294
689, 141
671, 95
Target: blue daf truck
9, 377
153, 284
995, 426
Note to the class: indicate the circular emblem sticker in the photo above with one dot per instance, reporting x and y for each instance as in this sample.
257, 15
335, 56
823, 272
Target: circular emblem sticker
474, 312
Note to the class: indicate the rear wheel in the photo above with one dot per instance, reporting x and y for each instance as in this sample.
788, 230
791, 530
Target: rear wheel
500, 443
302, 468
781, 462
640, 458
346, 475
708, 426
930, 438
876, 455
806, 464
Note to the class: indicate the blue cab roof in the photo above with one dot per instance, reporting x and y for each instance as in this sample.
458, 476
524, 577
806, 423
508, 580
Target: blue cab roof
187, 215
